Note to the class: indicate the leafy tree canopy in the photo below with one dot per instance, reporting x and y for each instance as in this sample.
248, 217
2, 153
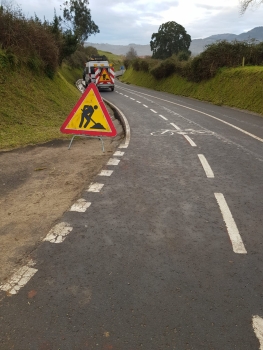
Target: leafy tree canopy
131, 54
171, 38
77, 17
245, 3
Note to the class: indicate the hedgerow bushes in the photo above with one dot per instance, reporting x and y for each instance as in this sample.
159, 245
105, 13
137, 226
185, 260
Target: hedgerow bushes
41, 46
205, 65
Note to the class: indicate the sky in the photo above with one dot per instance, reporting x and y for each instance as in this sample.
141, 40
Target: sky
134, 21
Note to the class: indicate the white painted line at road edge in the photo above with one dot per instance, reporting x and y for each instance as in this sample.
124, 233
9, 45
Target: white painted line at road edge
58, 233
105, 173
118, 154
95, 187
236, 240
209, 115
190, 140
206, 166
162, 117
175, 126
80, 206
153, 110
258, 329
19, 279
113, 161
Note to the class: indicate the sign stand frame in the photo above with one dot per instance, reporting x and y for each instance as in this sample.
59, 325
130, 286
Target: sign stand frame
87, 136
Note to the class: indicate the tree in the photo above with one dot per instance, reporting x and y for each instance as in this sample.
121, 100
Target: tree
131, 54
77, 17
171, 38
246, 3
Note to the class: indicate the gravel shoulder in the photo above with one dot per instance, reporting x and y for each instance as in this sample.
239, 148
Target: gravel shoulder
38, 184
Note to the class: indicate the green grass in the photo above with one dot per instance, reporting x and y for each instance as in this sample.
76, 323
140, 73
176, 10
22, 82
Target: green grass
235, 87
33, 107
116, 60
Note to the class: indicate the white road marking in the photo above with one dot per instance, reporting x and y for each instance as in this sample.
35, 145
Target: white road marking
95, 187
206, 166
145, 106
118, 154
190, 140
132, 98
113, 161
80, 206
126, 96
58, 233
209, 115
162, 117
258, 329
19, 279
237, 243
175, 126
138, 101
105, 173
121, 93
153, 110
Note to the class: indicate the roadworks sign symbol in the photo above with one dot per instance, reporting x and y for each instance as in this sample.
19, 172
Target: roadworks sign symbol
104, 76
89, 116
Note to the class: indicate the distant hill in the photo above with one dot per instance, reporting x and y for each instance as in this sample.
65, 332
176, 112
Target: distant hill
197, 45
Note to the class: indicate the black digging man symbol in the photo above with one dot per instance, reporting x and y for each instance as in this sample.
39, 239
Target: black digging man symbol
87, 113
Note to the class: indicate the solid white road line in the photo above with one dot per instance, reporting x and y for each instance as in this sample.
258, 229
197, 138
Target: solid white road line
19, 279
237, 243
105, 173
118, 154
145, 106
206, 166
80, 206
258, 329
113, 161
162, 117
175, 126
95, 187
190, 140
153, 110
58, 233
209, 115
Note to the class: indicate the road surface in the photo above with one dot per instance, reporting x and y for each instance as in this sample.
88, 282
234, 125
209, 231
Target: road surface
163, 250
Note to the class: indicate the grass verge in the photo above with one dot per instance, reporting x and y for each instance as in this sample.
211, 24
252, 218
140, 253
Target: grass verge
235, 87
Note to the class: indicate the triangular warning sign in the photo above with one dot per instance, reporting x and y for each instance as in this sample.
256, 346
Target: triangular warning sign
89, 116
104, 76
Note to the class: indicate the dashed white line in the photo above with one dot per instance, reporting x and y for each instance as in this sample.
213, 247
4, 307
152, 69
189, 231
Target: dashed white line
58, 233
258, 329
237, 243
190, 140
80, 206
175, 126
162, 117
118, 154
19, 279
145, 106
121, 93
113, 161
206, 166
105, 173
153, 110
138, 101
95, 187
126, 96
132, 98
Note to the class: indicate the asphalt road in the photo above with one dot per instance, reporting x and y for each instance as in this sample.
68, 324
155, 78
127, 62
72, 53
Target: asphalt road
168, 255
